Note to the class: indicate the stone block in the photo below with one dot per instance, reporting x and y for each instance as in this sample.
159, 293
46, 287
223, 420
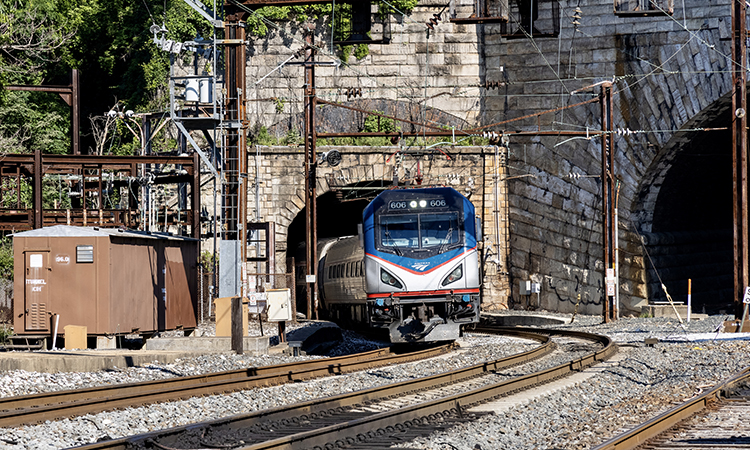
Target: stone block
664, 310
106, 342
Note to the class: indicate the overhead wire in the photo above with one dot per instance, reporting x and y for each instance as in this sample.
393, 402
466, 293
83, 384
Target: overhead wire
316, 47
558, 79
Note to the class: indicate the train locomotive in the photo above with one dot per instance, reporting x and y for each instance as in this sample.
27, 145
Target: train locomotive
414, 270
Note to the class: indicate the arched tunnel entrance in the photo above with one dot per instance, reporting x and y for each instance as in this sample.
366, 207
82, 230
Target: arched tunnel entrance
692, 227
339, 214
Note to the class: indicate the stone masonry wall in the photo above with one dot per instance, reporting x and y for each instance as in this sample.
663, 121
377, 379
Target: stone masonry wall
282, 197
666, 78
542, 203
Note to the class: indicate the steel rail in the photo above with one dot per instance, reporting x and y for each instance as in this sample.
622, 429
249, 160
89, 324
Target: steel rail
454, 404
27, 409
663, 422
331, 405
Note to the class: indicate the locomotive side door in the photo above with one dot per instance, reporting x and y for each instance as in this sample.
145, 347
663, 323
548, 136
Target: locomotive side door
36, 291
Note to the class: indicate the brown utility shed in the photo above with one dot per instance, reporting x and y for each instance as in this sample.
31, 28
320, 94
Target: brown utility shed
113, 281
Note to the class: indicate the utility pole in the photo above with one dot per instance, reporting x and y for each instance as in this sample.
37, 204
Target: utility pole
609, 227
311, 234
234, 201
739, 158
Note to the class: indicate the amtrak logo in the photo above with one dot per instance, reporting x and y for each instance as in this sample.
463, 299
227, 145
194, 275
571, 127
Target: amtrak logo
420, 266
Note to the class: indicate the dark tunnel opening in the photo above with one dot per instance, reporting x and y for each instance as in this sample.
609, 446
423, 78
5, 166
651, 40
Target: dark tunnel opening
692, 228
338, 215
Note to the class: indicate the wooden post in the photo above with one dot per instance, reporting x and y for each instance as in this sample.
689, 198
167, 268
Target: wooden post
740, 156
237, 334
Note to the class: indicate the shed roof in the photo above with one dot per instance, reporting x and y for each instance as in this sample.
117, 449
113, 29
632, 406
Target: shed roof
71, 231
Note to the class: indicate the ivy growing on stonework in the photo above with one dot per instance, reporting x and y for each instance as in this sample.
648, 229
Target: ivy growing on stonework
342, 14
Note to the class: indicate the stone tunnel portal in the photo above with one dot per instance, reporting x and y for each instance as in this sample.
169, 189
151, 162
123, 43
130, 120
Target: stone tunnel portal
339, 213
691, 231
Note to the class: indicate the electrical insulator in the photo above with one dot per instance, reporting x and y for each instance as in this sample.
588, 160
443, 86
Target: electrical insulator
493, 84
433, 21
493, 136
353, 92
577, 17
503, 155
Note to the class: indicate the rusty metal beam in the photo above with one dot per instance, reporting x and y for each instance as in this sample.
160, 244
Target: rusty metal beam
607, 164
71, 95
51, 89
311, 235
195, 199
37, 194
739, 159
37, 165
76, 106
77, 160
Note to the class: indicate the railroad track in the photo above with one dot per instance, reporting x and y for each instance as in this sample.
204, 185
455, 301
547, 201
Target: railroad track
716, 420
369, 418
28, 409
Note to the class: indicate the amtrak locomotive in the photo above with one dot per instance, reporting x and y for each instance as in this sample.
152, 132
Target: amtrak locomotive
414, 271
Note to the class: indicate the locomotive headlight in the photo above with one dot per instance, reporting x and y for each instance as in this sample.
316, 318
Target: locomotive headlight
456, 275
422, 203
413, 203
389, 279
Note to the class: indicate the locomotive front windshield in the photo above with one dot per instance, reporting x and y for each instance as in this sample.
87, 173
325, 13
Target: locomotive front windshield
423, 234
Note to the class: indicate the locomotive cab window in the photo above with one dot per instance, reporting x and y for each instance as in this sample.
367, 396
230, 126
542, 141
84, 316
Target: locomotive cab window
412, 234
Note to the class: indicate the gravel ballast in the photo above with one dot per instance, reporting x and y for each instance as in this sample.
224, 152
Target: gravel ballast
581, 416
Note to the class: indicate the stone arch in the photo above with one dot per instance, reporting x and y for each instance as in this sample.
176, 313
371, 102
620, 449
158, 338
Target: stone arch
683, 212
652, 181
686, 89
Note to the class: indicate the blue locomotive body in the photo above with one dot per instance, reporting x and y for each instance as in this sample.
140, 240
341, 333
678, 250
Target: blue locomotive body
415, 272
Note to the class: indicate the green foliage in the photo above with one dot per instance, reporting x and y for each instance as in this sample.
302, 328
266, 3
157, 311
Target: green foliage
405, 6
292, 138
6, 257
110, 43
361, 51
260, 136
279, 103
206, 259
6, 331
374, 124
257, 22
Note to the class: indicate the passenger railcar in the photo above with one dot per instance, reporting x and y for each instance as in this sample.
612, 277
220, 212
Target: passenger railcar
414, 271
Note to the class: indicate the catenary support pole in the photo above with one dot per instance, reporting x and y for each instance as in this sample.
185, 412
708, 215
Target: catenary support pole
311, 235
739, 159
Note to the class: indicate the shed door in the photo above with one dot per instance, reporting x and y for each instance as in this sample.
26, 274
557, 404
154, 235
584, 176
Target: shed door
36, 290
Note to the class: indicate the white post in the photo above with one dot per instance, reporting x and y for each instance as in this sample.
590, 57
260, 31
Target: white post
54, 336
689, 300
617, 266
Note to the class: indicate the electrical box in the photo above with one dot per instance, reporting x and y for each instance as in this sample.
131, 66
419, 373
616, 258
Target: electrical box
279, 305
223, 309
529, 287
